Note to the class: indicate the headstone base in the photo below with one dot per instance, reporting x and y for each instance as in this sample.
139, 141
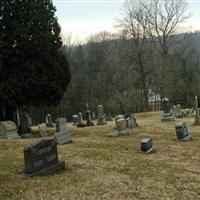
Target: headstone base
179, 115
168, 118
13, 135
26, 135
186, 139
89, 124
149, 151
49, 170
81, 125
119, 133
62, 138
101, 122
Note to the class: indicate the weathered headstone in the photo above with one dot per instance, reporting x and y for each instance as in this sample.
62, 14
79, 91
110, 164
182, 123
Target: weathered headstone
49, 121
8, 130
89, 121
196, 107
182, 132
101, 120
41, 158
178, 113
121, 126
62, 135
147, 145
119, 117
167, 116
81, 123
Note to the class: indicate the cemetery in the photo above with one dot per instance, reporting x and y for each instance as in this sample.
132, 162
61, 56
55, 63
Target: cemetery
99, 100
96, 166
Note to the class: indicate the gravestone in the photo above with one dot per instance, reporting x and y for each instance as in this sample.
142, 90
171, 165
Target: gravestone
196, 107
49, 121
101, 120
109, 117
147, 145
76, 120
41, 158
167, 116
187, 112
119, 117
62, 135
122, 129
25, 123
42, 131
8, 130
179, 113
89, 121
81, 123
182, 132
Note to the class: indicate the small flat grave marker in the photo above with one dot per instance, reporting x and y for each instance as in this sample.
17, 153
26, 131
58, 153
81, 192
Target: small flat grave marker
147, 145
41, 158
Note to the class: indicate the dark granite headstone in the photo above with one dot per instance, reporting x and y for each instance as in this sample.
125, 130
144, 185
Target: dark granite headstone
167, 116
146, 145
89, 121
41, 158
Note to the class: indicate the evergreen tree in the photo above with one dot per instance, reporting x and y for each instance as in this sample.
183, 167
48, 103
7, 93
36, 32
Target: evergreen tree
33, 69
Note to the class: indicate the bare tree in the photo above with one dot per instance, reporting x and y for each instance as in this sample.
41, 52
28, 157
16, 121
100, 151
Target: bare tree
163, 18
133, 27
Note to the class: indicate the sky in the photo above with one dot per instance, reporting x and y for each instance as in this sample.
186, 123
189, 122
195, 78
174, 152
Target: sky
81, 18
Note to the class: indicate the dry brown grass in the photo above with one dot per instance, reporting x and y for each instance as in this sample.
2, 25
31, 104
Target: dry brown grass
105, 168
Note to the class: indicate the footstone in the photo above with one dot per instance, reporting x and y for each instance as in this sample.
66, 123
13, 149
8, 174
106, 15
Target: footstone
147, 145
41, 158
8, 130
182, 132
62, 135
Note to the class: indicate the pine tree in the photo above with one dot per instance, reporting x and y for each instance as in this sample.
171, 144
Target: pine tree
33, 69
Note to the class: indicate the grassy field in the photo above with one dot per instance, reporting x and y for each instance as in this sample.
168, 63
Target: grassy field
105, 168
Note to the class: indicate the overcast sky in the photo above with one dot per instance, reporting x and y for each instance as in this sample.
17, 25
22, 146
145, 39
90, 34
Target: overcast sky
84, 17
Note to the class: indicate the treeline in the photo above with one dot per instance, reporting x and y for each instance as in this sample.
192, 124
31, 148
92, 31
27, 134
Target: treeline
103, 73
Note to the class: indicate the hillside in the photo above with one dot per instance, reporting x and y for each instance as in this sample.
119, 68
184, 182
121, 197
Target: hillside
99, 167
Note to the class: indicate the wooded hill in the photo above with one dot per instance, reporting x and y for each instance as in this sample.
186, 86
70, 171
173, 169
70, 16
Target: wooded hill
105, 71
